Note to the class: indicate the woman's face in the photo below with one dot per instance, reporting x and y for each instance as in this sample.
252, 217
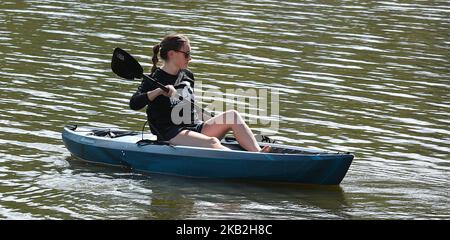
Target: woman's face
182, 57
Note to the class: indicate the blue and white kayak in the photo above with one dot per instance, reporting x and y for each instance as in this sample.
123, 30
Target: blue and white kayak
127, 149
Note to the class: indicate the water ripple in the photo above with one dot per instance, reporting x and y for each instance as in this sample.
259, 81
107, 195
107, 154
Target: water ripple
366, 77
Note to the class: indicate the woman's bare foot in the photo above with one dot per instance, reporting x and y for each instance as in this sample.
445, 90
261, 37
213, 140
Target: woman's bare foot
266, 149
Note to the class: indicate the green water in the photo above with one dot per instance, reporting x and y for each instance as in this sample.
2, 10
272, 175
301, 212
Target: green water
361, 76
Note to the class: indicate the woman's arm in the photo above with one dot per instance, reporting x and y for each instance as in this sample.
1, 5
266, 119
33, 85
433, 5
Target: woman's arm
151, 95
140, 98
146, 93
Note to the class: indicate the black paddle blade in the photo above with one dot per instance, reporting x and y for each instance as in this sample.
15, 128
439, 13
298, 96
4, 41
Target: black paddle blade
125, 66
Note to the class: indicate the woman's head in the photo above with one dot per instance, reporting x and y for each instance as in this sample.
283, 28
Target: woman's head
174, 48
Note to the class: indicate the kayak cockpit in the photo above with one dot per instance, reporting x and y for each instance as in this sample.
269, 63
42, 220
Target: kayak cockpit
143, 139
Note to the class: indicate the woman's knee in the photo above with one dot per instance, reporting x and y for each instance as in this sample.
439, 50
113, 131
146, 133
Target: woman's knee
232, 117
233, 112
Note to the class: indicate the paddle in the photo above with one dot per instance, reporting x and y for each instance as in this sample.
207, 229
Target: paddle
126, 66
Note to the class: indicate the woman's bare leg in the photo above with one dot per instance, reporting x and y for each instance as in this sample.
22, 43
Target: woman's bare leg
219, 125
191, 138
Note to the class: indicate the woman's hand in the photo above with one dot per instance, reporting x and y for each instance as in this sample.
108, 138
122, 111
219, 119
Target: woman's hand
172, 91
151, 95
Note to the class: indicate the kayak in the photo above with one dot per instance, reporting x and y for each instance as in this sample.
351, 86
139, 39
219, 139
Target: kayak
142, 152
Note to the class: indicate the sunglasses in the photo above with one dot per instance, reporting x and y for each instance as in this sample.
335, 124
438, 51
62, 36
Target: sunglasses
186, 54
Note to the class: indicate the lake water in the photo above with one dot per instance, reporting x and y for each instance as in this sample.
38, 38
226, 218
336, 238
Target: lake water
369, 77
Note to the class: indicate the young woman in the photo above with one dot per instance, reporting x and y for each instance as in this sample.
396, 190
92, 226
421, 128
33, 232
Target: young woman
164, 110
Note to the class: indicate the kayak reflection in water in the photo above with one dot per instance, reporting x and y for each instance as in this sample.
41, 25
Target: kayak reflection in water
164, 109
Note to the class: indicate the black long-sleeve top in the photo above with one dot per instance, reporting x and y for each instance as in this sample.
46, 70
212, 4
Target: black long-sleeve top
159, 111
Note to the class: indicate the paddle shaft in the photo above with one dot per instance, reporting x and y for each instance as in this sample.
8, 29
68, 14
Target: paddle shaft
157, 83
165, 89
